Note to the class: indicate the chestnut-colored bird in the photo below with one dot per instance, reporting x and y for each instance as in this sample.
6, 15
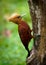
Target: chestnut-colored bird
23, 29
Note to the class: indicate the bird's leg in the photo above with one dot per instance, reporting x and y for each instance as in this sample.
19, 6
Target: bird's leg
31, 30
32, 36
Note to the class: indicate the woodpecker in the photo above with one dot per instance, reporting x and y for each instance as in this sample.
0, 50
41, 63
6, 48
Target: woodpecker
23, 29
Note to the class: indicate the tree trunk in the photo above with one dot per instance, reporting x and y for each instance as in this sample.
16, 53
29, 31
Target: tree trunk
38, 14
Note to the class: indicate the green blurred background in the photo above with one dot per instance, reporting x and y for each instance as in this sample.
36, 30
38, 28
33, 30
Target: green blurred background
12, 51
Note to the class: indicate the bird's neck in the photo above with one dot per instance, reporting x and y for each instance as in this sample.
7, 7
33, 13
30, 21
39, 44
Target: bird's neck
19, 21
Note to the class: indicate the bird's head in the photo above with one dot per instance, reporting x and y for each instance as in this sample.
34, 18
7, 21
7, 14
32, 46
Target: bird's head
15, 18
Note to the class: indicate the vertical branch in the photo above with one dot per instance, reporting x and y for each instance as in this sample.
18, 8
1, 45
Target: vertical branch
38, 14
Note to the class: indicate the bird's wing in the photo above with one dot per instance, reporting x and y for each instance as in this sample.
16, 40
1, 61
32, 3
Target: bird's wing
24, 30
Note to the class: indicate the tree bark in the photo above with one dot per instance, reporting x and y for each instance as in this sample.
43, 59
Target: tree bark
38, 14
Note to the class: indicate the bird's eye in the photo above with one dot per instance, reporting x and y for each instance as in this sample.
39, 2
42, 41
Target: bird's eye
19, 17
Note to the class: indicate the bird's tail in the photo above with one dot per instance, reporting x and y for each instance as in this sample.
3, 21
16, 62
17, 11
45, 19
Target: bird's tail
28, 53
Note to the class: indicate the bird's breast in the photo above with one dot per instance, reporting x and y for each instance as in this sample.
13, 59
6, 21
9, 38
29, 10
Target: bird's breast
24, 33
